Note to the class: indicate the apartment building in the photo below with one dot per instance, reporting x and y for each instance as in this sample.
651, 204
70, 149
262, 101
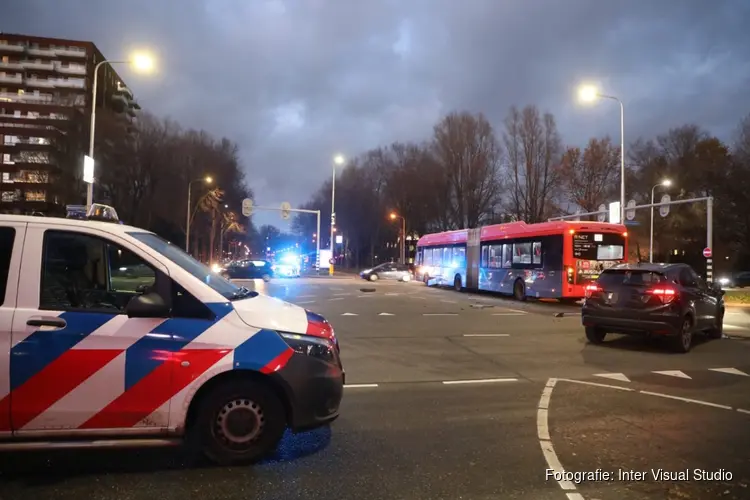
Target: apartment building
45, 86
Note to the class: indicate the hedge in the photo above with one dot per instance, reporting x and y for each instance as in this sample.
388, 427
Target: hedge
737, 297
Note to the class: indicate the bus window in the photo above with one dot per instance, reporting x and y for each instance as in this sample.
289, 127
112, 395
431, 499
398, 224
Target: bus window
485, 256
459, 256
420, 253
428, 256
496, 258
522, 253
507, 255
536, 252
447, 257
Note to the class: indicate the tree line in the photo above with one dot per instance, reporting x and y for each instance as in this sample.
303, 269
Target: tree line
468, 174
144, 167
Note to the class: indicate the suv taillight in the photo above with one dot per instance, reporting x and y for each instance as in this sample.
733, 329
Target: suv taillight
666, 295
591, 290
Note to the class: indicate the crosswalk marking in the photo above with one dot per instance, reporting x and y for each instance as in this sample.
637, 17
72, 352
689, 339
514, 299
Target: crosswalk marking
731, 371
349, 314
386, 314
674, 373
614, 376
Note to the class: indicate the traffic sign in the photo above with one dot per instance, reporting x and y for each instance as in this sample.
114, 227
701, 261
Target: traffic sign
333, 219
285, 208
630, 212
707, 253
247, 207
603, 213
614, 213
664, 209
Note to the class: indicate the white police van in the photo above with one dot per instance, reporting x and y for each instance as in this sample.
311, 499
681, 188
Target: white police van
112, 336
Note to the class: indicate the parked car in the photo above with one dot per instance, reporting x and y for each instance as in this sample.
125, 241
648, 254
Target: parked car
658, 300
387, 271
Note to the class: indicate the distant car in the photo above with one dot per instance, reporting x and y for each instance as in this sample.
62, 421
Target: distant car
248, 270
740, 280
668, 300
387, 271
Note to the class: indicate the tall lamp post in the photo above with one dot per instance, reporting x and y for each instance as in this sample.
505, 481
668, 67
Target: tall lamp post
666, 183
140, 62
402, 250
207, 180
338, 160
589, 93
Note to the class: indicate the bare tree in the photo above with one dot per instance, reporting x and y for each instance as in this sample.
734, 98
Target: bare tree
589, 175
469, 154
533, 163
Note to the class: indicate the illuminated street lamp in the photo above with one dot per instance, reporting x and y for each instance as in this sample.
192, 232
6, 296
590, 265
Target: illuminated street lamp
338, 160
207, 180
395, 216
142, 63
665, 183
589, 94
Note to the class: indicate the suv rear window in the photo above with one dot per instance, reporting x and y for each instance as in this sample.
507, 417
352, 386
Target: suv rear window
630, 277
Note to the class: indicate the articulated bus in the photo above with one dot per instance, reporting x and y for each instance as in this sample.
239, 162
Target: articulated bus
551, 260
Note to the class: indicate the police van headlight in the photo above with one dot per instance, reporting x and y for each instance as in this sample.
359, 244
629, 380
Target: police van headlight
311, 346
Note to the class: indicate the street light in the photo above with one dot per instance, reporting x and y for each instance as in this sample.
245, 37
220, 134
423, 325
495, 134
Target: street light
665, 183
338, 160
141, 62
207, 180
589, 94
395, 216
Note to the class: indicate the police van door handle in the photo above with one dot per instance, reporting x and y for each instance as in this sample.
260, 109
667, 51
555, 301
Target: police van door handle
47, 321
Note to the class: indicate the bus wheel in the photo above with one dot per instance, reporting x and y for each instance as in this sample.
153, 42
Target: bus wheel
457, 283
519, 290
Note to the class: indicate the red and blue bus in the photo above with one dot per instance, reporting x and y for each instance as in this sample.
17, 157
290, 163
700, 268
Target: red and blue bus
550, 260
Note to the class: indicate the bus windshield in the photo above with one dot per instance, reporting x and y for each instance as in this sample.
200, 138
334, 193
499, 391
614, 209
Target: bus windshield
598, 246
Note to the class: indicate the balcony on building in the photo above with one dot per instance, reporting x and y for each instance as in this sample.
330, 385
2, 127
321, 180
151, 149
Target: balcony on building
71, 69
70, 83
70, 52
39, 83
13, 66
41, 52
16, 79
15, 48
40, 65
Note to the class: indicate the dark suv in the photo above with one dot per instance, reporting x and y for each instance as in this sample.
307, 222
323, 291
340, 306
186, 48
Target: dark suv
668, 300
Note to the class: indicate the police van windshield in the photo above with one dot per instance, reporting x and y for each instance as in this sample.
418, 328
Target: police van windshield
188, 263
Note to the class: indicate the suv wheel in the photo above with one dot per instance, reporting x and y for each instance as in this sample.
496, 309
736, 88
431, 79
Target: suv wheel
718, 330
595, 335
239, 422
684, 340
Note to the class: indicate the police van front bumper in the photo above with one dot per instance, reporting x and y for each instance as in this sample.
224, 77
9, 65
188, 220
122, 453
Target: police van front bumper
314, 389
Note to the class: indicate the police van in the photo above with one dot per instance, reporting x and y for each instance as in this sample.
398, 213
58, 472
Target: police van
112, 336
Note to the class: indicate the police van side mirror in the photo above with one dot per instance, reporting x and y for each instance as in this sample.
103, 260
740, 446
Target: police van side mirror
148, 305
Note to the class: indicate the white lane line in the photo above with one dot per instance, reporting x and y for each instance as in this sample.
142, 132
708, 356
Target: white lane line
337, 298
509, 314
730, 371
614, 376
479, 381
747, 412
359, 386
341, 294
386, 314
486, 334
686, 400
349, 314
365, 295
554, 467
449, 301
392, 294
515, 310
575, 496
439, 314
306, 302
674, 373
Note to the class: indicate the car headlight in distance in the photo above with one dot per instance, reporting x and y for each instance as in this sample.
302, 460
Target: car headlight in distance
310, 346
724, 281
366, 271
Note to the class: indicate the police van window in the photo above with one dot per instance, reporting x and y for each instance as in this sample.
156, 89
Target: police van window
7, 237
85, 272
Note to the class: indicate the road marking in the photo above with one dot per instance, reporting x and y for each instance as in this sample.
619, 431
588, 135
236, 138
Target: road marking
575, 496
747, 412
479, 381
366, 295
439, 314
614, 376
735, 327
418, 298
337, 298
515, 311
341, 294
306, 302
596, 384
349, 314
674, 373
731, 371
359, 386
386, 314
508, 314
686, 400
542, 426
392, 293
486, 334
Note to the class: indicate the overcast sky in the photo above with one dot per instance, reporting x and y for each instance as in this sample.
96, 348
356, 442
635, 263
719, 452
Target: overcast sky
295, 81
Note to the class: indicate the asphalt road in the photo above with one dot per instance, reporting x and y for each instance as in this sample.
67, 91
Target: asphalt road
460, 396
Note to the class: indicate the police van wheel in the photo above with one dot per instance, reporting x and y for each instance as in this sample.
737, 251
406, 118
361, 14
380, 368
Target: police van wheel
240, 422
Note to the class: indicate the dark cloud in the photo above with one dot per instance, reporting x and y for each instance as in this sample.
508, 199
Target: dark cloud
293, 82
